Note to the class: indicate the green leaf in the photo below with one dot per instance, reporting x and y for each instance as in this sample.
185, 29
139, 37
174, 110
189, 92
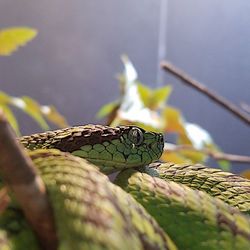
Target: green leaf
12, 38
107, 109
225, 165
52, 115
33, 109
144, 93
11, 118
160, 96
153, 99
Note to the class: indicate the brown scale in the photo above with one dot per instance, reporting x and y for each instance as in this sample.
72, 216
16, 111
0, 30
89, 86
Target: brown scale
71, 139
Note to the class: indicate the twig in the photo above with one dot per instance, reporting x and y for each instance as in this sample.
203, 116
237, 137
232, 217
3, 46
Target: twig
213, 154
203, 89
28, 188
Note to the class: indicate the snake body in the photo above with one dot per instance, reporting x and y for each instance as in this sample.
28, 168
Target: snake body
93, 213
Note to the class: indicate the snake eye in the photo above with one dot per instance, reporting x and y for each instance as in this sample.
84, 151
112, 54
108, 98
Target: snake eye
135, 135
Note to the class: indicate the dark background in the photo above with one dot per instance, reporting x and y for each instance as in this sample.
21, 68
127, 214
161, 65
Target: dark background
73, 60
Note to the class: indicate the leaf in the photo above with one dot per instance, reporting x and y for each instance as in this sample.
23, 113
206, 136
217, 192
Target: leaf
153, 99
246, 174
32, 108
225, 165
4, 98
106, 109
174, 157
160, 96
173, 120
194, 156
52, 115
129, 69
199, 137
12, 38
10, 118
144, 93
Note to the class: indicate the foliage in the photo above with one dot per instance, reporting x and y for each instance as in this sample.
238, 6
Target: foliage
149, 108
10, 40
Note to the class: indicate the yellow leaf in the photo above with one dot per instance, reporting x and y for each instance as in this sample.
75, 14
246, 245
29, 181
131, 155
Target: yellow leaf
4, 98
246, 173
52, 115
174, 157
12, 38
194, 156
174, 121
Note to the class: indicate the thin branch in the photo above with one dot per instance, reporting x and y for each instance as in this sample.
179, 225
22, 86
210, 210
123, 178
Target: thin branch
209, 152
18, 172
204, 90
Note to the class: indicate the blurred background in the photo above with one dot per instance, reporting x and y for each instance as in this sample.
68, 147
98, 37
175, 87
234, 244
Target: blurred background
73, 61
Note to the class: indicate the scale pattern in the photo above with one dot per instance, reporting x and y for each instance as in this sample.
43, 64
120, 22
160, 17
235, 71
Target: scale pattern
192, 218
231, 188
91, 212
111, 149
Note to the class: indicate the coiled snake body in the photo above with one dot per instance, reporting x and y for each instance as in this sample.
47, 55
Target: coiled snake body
165, 206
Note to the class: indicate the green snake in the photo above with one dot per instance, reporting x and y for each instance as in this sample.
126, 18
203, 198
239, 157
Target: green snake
149, 206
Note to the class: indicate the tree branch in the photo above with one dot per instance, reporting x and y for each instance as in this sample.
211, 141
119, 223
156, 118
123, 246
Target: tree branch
21, 177
204, 90
213, 154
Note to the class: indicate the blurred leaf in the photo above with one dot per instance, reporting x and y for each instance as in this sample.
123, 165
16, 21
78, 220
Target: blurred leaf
225, 165
32, 108
160, 96
153, 99
107, 109
194, 156
12, 38
129, 69
174, 157
11, 118
246, 174
4, 98
173, 120
52, 115
144, 92
199, 137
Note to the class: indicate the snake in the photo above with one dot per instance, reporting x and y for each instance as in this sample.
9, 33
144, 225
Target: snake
149, 205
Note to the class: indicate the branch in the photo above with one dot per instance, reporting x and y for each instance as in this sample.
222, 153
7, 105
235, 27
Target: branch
204, 90
168, 147
21, 177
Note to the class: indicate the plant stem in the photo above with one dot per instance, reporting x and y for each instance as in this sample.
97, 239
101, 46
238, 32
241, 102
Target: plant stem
213, 154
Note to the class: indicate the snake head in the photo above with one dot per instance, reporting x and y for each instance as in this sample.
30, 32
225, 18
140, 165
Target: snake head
113, 149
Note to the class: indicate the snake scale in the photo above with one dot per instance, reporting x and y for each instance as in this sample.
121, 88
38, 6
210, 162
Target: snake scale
149, 206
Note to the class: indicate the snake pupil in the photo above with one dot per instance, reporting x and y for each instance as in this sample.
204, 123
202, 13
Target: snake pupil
136, 136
